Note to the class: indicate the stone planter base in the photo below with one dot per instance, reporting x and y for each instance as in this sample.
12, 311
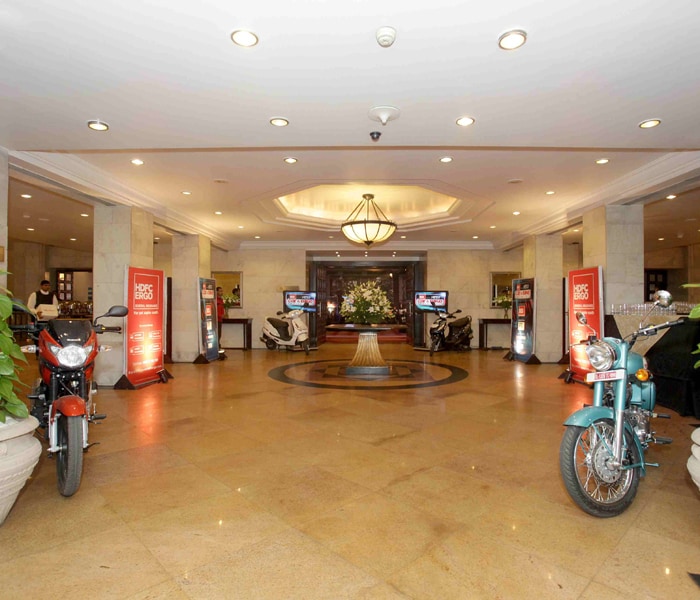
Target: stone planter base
19, 454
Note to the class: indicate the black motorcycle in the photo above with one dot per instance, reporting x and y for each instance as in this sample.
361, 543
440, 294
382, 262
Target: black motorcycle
455, 335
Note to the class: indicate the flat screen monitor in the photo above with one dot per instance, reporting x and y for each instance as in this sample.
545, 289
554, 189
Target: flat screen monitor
305, 301
429, 301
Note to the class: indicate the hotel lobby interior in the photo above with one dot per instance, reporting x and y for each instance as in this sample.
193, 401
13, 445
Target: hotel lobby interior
255, 131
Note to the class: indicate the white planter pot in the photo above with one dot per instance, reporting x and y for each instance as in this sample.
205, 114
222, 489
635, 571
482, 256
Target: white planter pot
694, 460
19, 454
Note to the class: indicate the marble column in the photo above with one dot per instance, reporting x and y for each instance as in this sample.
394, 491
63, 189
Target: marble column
613, 237
542, 259
191, 260
123, 237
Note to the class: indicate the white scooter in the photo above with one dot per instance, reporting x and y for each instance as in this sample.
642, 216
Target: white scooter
289, 331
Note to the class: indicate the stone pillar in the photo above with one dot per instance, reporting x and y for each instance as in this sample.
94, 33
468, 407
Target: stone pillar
123, 237
191, 260
613, 237
542, 259
4, 193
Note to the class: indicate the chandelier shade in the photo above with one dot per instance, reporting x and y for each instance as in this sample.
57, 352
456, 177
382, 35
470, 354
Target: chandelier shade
367, 224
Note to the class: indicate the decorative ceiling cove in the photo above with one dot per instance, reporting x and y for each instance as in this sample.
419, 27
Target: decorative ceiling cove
464, 140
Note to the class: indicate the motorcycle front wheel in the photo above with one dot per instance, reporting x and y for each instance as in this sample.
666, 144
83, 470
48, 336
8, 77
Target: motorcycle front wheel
270, 344
69, 458
600, 489
434, 345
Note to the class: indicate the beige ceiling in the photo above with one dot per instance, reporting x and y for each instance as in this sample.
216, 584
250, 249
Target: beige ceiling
179, 95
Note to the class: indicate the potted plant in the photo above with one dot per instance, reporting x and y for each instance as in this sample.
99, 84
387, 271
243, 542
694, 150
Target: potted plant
504, 301
231, 301
366, 303
19, 449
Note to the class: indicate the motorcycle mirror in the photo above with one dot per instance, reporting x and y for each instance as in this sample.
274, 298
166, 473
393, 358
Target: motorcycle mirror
459, 310
117, 311
663, 298
581, 318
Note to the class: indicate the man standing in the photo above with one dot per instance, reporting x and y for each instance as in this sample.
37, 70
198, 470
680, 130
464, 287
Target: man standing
44, 296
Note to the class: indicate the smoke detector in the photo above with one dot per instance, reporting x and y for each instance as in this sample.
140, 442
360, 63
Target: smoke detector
386, 36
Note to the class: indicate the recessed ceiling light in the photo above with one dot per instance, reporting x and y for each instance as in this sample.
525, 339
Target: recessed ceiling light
475, 237
649, 123
602, 161
257, 237
330, 237
136, 161
661, 239
244, 38
241, 227
97, 125
550, 193
186, 193
290, 160
403, 237
30, 228
516, 212
492, 227
446, 159
73, 239
671, 197
84, 215
27, 196
218, 212
279, 121
465, 121
513, 39
156, 238
515, 181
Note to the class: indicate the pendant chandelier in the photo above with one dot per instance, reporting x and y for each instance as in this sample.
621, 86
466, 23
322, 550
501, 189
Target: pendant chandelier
367, 224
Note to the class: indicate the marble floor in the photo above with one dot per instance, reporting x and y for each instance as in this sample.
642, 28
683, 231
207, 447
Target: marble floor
228, 483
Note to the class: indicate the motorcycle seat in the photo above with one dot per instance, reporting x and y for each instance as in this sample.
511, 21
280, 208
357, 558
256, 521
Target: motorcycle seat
463, 322
281, 326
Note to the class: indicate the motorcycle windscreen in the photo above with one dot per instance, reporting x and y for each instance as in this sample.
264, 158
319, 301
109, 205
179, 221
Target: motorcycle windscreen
70, 331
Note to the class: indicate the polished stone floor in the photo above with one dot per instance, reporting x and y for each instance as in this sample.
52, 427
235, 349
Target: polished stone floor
228, 483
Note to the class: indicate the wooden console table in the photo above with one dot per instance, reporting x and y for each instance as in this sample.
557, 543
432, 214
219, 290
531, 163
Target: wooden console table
484, 328
247, 332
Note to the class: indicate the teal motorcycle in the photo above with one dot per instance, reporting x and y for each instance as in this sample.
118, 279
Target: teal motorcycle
601, 456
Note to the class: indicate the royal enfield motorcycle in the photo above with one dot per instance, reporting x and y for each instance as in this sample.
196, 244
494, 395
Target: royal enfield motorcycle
446, 335
287, 330
62, 396
601, 456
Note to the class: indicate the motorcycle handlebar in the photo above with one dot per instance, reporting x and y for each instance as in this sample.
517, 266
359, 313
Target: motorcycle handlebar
652, 330
104, 329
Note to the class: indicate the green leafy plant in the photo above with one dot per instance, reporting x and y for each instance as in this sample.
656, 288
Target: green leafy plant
366, 303
504, 301
694, 314
10, 352
231, 300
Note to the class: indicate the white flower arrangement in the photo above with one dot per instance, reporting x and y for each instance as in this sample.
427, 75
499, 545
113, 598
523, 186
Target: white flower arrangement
366, 303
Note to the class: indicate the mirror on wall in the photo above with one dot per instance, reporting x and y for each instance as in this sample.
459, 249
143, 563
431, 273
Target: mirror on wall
232, 282
501, 287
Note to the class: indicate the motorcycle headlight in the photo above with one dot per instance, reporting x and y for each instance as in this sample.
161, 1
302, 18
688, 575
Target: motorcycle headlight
71, 357
601, 355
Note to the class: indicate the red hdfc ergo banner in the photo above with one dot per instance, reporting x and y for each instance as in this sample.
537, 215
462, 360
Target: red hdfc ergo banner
585, 296
144, 332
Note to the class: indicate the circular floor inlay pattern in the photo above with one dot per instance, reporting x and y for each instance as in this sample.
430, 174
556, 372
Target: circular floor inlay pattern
403, 374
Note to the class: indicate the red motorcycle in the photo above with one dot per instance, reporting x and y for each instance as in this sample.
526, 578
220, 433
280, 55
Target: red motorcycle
61, 399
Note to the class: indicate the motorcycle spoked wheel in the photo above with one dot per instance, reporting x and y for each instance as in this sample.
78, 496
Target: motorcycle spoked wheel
69, 458
599, 490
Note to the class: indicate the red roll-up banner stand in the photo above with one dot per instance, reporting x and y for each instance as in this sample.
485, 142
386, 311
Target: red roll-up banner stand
144, 339
585, 296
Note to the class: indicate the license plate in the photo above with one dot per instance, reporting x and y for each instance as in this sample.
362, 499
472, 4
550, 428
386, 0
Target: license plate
605, 375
